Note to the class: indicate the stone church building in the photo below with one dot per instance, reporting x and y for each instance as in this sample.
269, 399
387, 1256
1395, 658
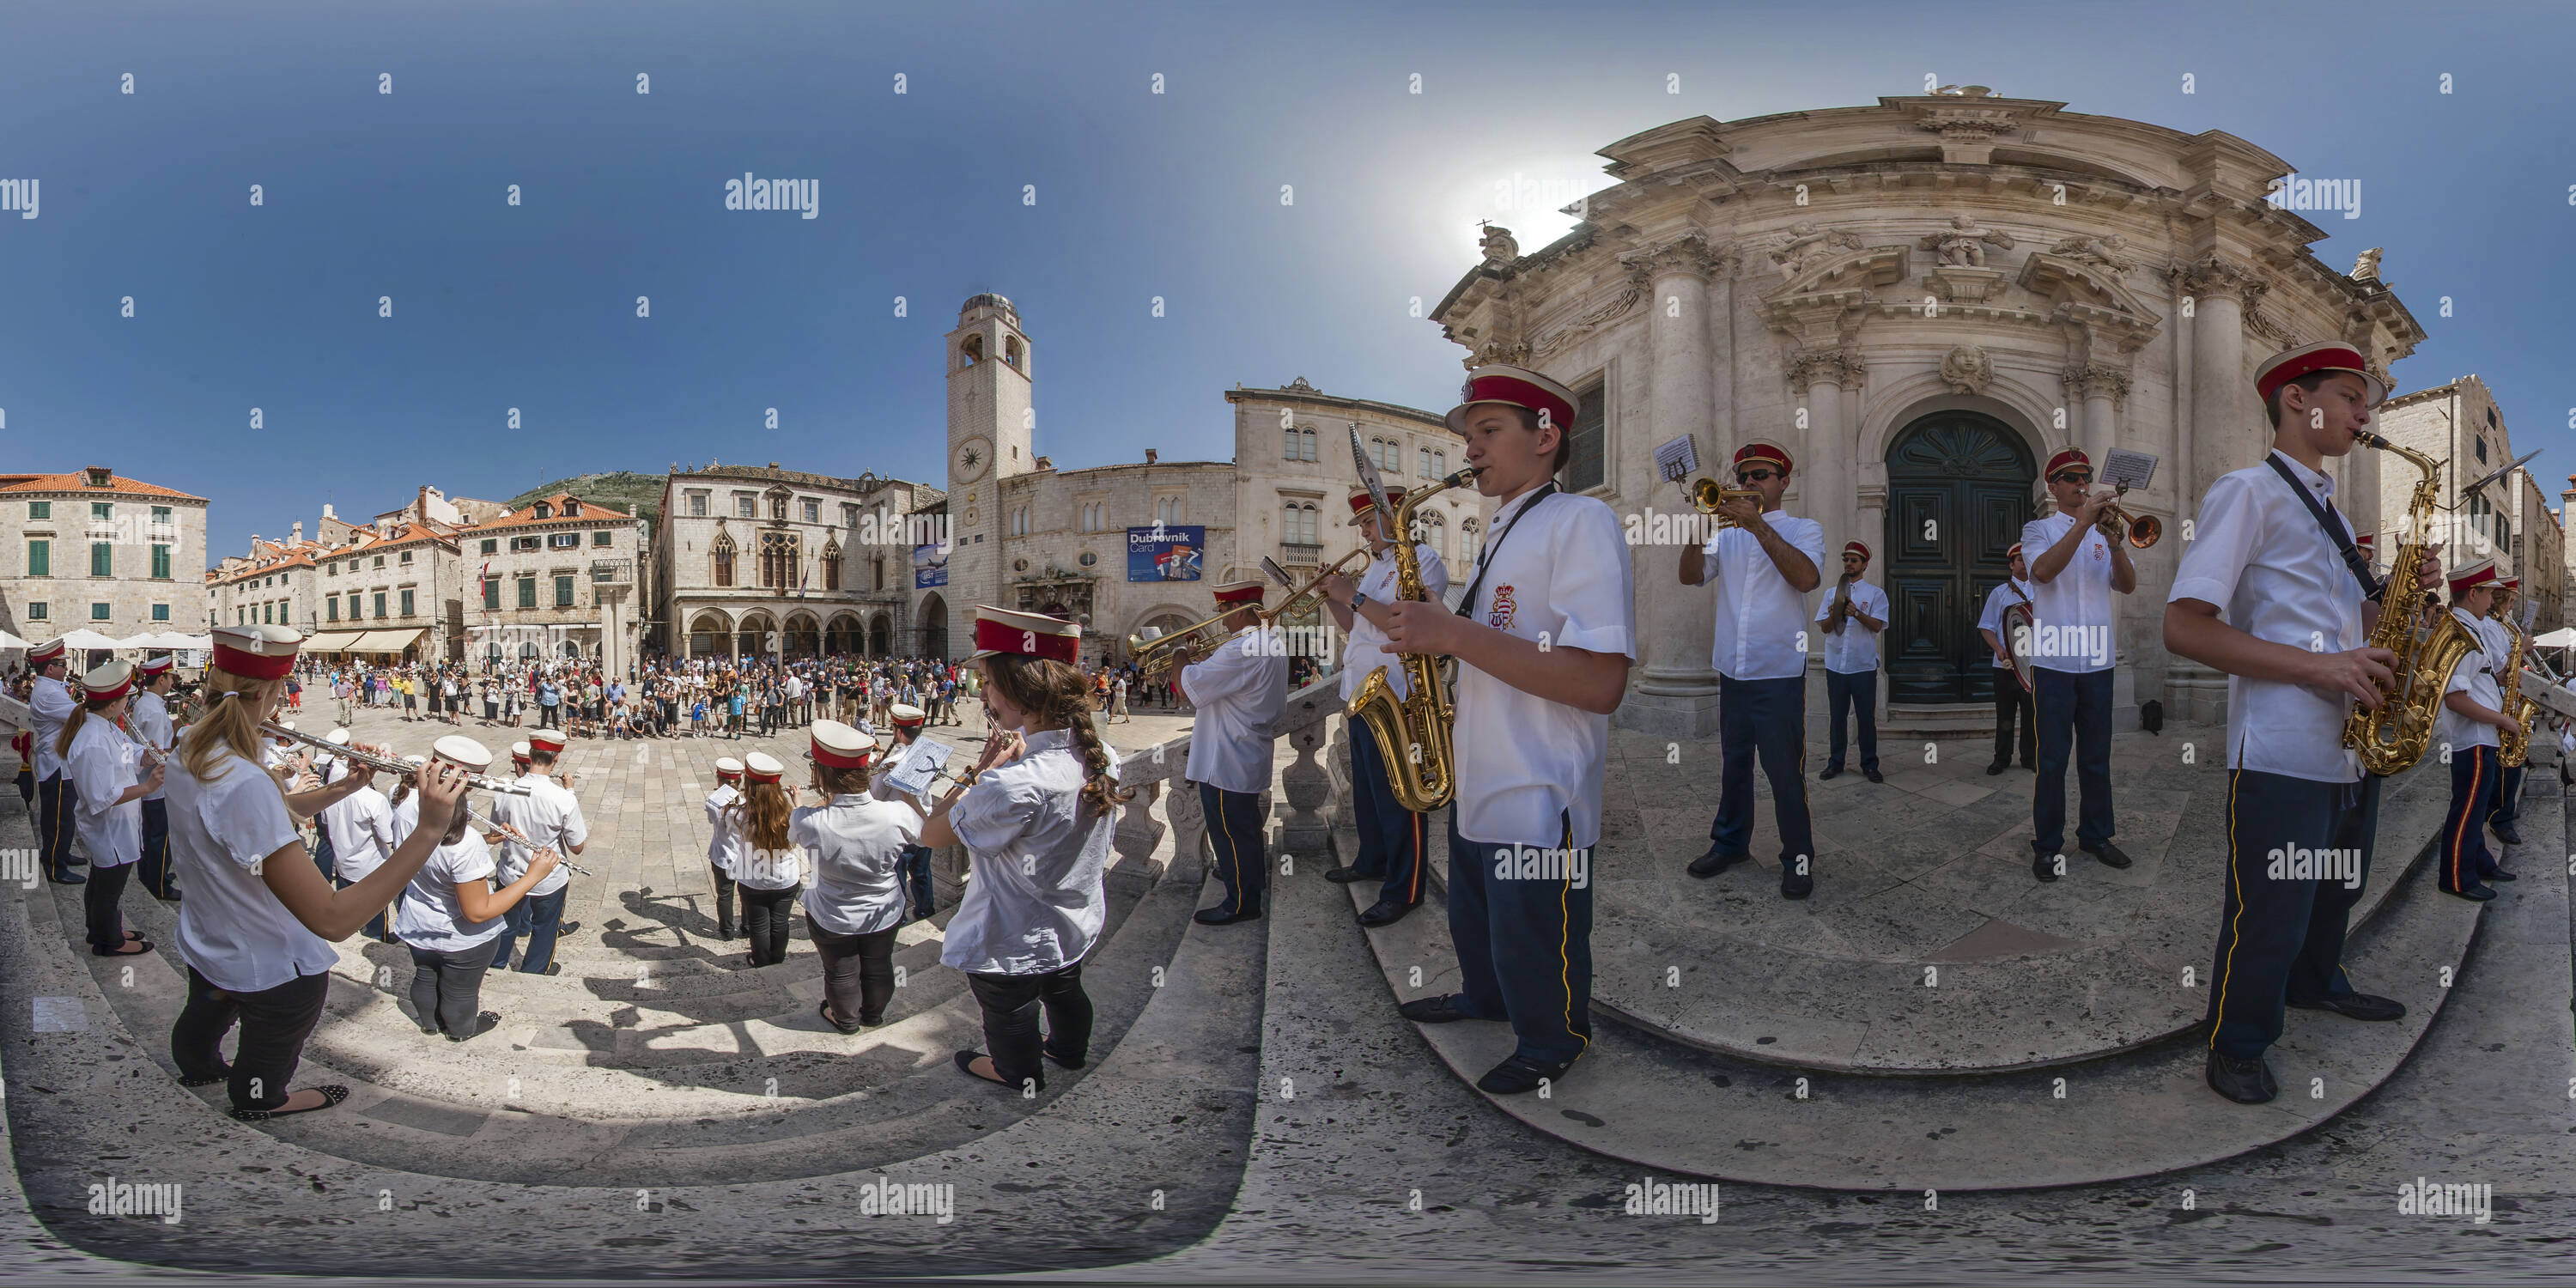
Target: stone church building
1924, 299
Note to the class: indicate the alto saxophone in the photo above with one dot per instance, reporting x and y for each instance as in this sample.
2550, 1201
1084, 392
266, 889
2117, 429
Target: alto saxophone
2394, 736
1413, 734
2512, 749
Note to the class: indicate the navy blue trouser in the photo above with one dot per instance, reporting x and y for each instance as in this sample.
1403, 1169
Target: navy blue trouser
324, 857
2280, 938
1765, 719
1234, 831
1524, 943
2464, 859
1392, 838
155, 869
2074, 715
1856, 691
913, 872
56, 800
2508, 801
537, 916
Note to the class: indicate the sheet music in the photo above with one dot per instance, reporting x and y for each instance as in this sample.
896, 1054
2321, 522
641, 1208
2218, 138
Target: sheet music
2129, 469
1678, 459
912, 775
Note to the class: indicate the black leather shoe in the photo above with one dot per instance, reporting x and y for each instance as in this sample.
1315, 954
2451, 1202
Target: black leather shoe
1346, 874
1992, 770
1434, 1010
1716, 861
2477, 892
1218, 916
2359, 1006
2500, 874
2043, 866
2109, 853
68, 879
1796, 885
2247, 1082
1386, 912
1831, 772
1059, 1061
1873, 775
2507, 835
567, 929
1519, 1074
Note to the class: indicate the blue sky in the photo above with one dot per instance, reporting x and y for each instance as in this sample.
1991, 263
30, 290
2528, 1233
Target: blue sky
1138, 196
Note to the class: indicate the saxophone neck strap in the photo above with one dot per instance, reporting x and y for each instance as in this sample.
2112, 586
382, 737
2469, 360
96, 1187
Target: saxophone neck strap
1485, 559
2371, 587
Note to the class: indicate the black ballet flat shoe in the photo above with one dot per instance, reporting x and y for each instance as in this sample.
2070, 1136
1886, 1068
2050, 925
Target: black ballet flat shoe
1217, 916
1434, 1010
208, 1081
1716, 861
2247, 1082
1519, 1074
134, 946
1059, 1061
2358, 1006
483, 1023
966, 1065
132, 935
1347, 873
331, 1098
824, 1009
1386, 912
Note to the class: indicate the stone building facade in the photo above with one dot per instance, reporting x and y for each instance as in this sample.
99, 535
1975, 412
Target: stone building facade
557, 578
1923, 299
2461, 425
93, 550
762, 561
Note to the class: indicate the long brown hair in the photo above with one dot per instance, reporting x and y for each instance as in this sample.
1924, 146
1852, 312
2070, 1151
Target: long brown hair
80, 715
1053, 692
231, 723
762, 815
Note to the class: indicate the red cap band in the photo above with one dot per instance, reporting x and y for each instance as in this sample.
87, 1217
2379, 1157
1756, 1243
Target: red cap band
252, 666
826, 756
1002, 637
1521, 393
1771, 452
1860, 548
2071, 456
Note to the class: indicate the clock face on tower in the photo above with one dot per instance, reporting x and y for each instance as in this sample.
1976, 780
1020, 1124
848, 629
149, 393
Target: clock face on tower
973, 457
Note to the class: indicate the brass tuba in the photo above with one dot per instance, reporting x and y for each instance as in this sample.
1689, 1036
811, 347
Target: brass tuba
2393, 737
1413, 734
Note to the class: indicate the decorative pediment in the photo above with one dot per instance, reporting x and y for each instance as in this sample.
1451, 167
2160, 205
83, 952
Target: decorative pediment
2091, 296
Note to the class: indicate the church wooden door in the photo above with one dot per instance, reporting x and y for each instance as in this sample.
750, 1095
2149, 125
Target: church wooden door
1958, 491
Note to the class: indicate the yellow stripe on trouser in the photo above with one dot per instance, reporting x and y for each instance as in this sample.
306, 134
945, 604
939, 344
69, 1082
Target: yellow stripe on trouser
1564, 935
2460, 837
1233, 860
2235, 885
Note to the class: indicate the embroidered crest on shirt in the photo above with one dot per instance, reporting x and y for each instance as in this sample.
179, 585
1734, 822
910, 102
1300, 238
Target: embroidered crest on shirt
1500, 615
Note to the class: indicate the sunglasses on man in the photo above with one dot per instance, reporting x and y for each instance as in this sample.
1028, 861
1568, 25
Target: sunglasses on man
1756, 476
2073, 476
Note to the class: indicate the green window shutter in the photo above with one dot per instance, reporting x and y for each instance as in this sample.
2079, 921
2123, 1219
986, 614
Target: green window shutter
40, 559
161, 563
102, 559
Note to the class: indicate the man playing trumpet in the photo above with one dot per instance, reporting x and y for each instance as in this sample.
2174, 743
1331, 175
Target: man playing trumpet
1392, 838
2073, 615
1238, 691
1853, 616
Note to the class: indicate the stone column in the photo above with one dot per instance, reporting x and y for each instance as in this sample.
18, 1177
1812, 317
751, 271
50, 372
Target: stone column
1676, 693
1825, 493
2221, 399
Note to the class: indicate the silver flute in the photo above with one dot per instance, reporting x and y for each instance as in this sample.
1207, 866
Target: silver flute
386, 764
522, 838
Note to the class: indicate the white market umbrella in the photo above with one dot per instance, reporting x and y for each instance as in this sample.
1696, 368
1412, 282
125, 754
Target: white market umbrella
166, 641
2563, 637
89, 639
8, 640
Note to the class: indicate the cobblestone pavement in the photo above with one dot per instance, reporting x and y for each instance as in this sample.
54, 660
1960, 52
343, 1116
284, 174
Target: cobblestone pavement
1368, 1161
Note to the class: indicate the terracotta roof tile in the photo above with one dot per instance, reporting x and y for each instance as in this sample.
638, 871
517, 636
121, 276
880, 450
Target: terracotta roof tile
79, 482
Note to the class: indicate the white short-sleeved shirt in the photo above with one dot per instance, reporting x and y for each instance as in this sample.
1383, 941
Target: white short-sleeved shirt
1854, 650
2073, 617
102, 765
430, 915
1759, 618
754, 869
721, 840
550, 817
234, 930
2476, 677
855, 841
362, 833
1034, 902
2258, 555
1364, 649
52, 702
2008, 592
150, 725
1524, 762
1237, 692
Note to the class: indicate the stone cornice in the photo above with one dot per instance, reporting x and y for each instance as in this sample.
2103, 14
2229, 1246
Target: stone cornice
1843, 366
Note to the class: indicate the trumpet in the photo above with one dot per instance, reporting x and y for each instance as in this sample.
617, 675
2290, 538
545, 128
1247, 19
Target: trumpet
1708, 494
2115, 523
387, 764
1155, 654
1314, 586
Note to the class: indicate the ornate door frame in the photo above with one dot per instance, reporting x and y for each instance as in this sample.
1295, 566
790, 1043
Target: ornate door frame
1959, 488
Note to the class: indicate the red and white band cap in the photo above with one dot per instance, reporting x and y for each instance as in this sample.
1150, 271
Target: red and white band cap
1362, 504
1759, 451
2481, 573
156, 667
463, 752
262, 652
2071, 456
2366, 540
1001, 630
906, 715
108, 683
338, 737
728, 770
1240, 592
1860, 548
2513, 582
2325, 355
42, 655
761, 767
549, 741
840, 746
2014, 553
519, 754
1518, 387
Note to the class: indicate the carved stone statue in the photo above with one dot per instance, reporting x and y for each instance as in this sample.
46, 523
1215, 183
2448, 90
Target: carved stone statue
1967, 370
1963, 246
2103, 250
1498, 246
2366, 268
1803, 245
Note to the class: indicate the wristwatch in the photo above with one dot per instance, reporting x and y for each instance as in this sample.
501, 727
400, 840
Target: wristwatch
1359, 600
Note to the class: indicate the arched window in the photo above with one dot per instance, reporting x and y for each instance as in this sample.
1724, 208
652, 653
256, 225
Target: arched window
778, 560
832, 566
1301, 525
1467, 552
1432, 530
1020, 521
971, 352
722, 554
1289, 451
1011, 350
1167, 511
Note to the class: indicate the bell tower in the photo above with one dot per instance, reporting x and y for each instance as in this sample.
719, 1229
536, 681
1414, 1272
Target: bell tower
992, 421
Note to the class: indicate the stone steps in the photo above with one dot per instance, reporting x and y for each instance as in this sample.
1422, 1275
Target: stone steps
1646, 1099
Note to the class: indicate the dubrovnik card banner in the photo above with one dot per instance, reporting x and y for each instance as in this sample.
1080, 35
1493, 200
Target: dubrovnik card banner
1162, 553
